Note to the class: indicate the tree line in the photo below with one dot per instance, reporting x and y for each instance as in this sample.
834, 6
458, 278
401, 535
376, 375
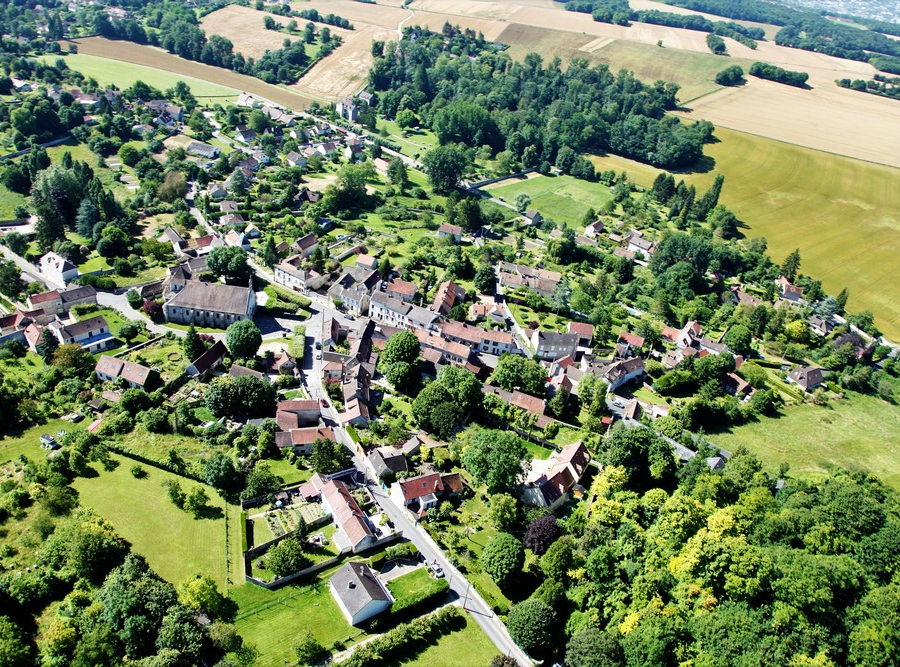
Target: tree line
779, 74
880, 85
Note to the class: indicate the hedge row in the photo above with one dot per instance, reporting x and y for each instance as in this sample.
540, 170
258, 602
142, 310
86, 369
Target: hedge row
421, 601
421, 632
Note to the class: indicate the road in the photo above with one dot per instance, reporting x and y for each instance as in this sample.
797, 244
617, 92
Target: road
30, 269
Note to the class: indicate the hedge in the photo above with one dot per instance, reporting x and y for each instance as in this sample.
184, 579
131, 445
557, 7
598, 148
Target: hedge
423, 631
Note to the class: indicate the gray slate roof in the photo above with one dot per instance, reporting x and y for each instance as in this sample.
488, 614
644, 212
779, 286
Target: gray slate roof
357, 586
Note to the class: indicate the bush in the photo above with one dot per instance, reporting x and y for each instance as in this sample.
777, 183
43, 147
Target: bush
422, 631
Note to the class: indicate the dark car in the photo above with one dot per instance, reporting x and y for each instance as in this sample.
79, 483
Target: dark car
323, 402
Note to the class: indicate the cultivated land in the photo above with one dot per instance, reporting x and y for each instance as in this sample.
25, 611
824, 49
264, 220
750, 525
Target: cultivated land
176, 544
563, 198
244, 27
859, 433
107, 71
346, 70
158, 59
840, 212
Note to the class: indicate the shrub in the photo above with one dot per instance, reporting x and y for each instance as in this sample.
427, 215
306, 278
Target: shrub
422, 631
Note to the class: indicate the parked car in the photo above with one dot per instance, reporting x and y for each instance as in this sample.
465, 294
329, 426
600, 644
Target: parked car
318, 345
323, 402
437, 571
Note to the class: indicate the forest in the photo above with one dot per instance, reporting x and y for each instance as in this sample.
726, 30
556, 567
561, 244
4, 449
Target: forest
530, 108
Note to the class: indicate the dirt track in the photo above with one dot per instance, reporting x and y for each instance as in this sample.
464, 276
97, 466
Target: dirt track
154, 57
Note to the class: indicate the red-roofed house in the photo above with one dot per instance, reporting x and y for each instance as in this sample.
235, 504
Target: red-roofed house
301, 439
552, 486
419, 494
447, 230
585, 332
354, 533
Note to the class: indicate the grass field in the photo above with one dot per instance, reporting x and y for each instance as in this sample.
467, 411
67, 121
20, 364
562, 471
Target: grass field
862, 432
16, 443
449, 649
562, 198
8, 202
175, 543
841, 213
408, 584
273, 620
107, 71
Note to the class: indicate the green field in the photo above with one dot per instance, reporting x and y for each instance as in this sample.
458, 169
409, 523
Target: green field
8, 202
409, 583
449, 649
862, 432
273, 620
175, 543
16, 443
841, 213
121, 74
564, 199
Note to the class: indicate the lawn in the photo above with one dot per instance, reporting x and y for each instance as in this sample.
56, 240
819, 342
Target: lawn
8, 202
415, 142
81, 152
113, 318
121, 74
273, 620
860, 432
564, 199
164, 355
409, 584
288, 471
537, 451
156, 446
840, 212
175, 543
17, 442
478, 649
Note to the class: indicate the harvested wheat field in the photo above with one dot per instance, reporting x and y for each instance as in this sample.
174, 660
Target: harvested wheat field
346, 70
159, 59
829, 119
244, 27
360, 14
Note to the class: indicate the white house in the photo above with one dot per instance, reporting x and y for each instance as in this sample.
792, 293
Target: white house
57, 268
359, 592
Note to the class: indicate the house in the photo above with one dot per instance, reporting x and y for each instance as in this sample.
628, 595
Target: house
819, 326
237, 371
204, 244
289, 274
862, 348
211, 304
50, 302
354, 152
294, 159
552, 484
629, 344
400, 314
636, 243
178, 276
57, 268
353, 288
485, 341
200, 149
294, 414
386, 462
209, 360
354, 531
437, 351
231, 219
807, 378
77, 296
367, 97
216, 191
301, 440
532, 218
247, 100
550, 345
622, 372
594, 229
448, 295
165, 108
789, 291
347, 110
92, 334
584, 331
419, 494
401, 289
447, 230
244, 134
542, 281
237, 239
327, 148
136, 376
736, 385
742, 298
367, 262
359, 593
381, 165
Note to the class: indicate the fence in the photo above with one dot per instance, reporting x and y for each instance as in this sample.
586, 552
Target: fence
278, 583
518, 174
55, 142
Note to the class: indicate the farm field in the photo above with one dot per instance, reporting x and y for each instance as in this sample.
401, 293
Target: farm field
562, 198
840, 212
862, 432
244, 27
155, 58
346, 70
107, 71
175, 543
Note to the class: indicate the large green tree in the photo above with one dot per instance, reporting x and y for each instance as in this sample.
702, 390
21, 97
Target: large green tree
229, 262
514, 371
243, 339
496, 459
502, 558
445, 166
531, 624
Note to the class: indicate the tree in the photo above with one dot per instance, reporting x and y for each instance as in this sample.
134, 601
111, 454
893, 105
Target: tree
47, 346
496, 458
557, 561
261, 481
486, 279
464, 387
202, 596
243, 338
503, 511
730, 76
286, 557
401, 347
523, 201
397, 174
192, 345
309, 650
220, 396
11, 283
504, 661
738, 339
329, 457
502, 557
445, 166
73, 360
237, 182
406, 118
131, 329
349, 191
180, 633
590, 646
16, 650
435, 410
530, 625
647, 459
403, 377
219, 472
791, 265
229, 262
196, 500
514, 371
16, 241
541, 533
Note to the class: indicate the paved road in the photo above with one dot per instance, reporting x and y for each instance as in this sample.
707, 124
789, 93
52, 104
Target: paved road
29, 269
